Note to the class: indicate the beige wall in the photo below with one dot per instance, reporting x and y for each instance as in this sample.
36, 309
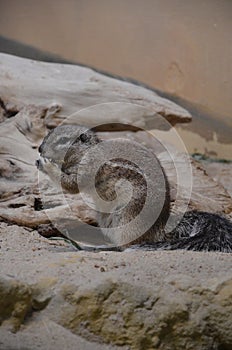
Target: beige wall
181, 46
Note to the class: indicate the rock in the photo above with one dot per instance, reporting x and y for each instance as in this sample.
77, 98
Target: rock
46, 334
15, 302
123, 313
140, 300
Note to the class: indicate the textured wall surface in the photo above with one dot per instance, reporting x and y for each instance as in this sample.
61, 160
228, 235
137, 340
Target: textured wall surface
183, 47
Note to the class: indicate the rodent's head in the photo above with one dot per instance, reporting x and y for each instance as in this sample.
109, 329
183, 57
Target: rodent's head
62, 150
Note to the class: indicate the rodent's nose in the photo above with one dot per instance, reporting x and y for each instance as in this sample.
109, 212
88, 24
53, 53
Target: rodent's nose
40, 148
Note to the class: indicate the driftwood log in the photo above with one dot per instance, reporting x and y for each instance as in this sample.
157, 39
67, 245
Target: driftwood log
76, 88
37, 96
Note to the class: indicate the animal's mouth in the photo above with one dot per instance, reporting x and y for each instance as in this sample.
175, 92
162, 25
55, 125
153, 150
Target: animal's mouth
39, 163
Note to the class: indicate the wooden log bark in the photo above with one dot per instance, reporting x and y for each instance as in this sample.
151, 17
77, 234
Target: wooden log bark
75, 88
21, 190
36, 96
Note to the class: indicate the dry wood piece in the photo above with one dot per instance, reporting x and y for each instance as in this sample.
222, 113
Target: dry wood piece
75, 88
36, 96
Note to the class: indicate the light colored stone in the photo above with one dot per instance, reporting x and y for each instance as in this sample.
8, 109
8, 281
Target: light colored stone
15, 302
142, 300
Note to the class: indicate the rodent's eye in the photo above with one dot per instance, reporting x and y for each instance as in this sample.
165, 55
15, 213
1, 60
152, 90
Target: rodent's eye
84, 137
63, 140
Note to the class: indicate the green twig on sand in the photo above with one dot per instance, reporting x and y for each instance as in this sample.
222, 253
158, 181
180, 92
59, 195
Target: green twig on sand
200, 157
68, 240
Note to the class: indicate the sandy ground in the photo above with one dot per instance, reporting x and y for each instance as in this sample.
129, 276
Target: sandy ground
31, 259
28, 257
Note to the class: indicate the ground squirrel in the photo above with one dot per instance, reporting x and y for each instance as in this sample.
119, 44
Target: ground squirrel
68, 155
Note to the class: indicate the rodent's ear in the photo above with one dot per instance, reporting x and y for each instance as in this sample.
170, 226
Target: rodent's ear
85, 137
41, 147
